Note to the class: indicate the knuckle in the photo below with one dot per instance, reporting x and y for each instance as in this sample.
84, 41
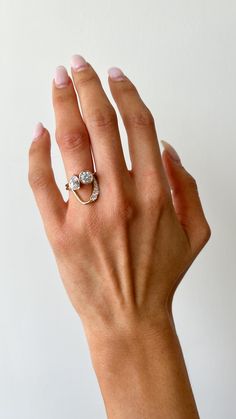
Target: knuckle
140, 118
102, 117
202, 235
191, 181
156, 201
123, 210
35, 147
37, 179
128, 87
72, 141
62, 96
87, 77
206, 232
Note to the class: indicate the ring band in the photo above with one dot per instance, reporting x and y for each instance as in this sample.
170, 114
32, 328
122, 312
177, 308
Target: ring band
85, 177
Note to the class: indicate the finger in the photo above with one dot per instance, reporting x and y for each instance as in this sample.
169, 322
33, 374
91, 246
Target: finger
139, 123
186, 199
41, 179
100, 119
71, 133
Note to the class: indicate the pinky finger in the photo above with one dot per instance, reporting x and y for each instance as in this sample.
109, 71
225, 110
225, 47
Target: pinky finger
186, 199
49, 200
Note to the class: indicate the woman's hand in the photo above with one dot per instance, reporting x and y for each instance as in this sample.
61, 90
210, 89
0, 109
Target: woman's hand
121, 257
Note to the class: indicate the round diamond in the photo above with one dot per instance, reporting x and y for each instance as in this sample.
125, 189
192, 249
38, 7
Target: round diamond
86, 177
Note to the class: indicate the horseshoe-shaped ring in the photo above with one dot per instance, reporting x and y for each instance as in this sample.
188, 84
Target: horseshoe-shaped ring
85, 177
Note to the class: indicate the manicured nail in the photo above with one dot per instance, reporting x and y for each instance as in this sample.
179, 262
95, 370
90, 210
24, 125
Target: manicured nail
61, 76
78, 62
38, 130
171, 151
116, 73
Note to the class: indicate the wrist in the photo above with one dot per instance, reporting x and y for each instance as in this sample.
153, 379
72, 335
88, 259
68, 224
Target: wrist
140, 367
109, 342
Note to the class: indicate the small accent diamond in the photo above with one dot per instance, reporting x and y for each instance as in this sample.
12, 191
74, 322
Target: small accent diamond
86, 177
95, 192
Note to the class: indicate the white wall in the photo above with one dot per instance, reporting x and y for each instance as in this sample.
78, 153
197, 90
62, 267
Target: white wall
181, 55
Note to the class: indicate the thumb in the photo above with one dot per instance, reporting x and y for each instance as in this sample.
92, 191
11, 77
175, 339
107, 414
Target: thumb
185, 199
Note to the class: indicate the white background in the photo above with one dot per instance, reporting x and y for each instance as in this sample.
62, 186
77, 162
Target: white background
181, 56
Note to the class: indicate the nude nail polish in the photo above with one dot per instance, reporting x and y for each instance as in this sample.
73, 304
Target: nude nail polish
116, 73
38, 130
61, 76
78, 62
171, 151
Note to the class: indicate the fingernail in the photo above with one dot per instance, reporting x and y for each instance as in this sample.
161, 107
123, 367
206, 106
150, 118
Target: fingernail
78, 62
116, 73
61, 76
171, 151
38, 130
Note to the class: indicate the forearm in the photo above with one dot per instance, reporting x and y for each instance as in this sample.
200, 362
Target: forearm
142, 375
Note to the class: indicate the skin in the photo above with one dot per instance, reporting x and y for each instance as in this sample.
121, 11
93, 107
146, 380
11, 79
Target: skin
122, 257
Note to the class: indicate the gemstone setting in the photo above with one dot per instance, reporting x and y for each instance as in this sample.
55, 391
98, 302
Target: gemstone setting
74, 183
86, 177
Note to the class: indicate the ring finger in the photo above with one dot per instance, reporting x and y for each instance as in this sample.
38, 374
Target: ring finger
71, 132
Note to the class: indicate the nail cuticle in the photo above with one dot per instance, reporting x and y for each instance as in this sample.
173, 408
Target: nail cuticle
118, 79
61, 86
77, 69
116, 74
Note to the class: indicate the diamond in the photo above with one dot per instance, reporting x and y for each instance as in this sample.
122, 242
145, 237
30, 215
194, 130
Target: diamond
74, 183
86, 177
95, 192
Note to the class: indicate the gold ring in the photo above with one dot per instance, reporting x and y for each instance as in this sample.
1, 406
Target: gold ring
85, 177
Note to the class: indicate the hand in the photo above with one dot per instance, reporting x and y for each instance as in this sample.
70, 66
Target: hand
121, 257
128, 250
